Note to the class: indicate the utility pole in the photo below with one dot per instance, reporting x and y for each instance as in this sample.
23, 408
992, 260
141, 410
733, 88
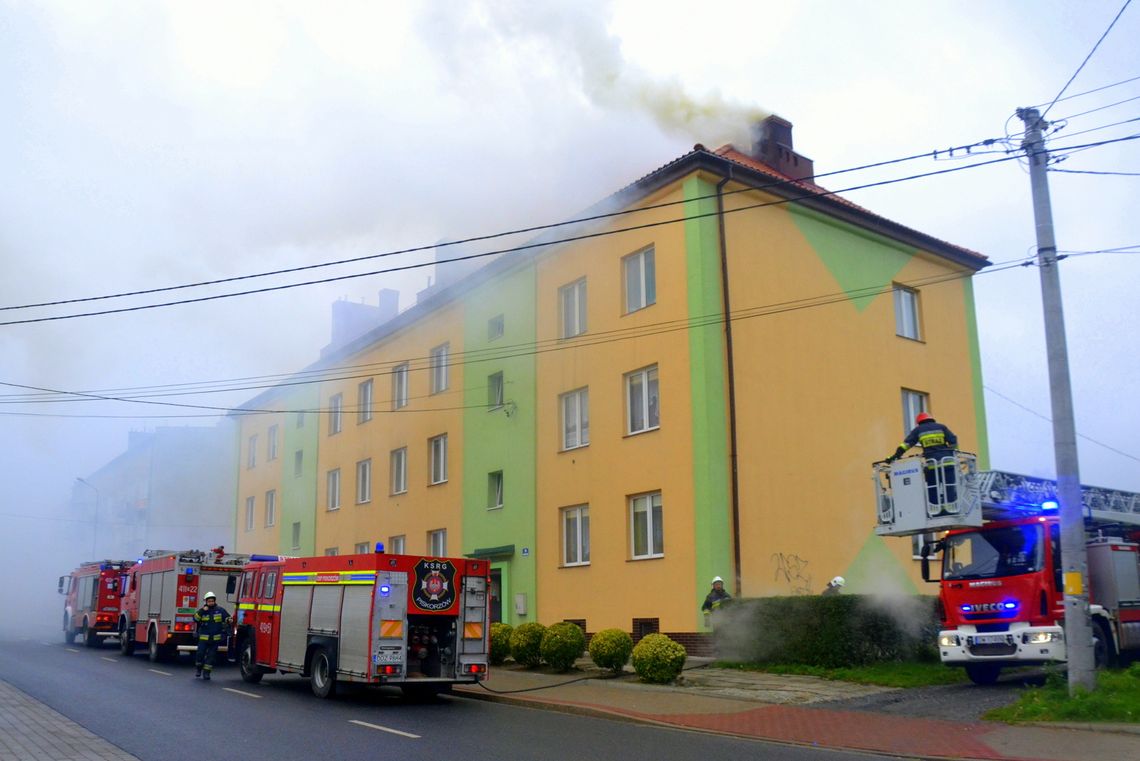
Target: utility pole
95, 519
1078, 628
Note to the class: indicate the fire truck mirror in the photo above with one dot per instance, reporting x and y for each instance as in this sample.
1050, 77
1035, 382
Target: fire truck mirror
231, 585
61, 581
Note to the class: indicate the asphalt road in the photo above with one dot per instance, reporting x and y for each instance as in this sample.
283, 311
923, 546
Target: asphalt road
955, 702
161, 712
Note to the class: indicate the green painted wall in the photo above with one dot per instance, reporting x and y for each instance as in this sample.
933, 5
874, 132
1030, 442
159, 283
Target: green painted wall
299, 492
976, 368
712, 524
502, 439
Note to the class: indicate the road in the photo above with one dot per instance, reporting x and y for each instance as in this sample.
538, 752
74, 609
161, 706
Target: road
159, 711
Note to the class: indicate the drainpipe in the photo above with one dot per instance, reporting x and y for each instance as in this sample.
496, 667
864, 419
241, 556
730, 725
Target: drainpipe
735, 487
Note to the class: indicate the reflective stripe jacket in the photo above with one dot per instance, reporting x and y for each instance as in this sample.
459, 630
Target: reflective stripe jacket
935, 439
715, 598
211, 622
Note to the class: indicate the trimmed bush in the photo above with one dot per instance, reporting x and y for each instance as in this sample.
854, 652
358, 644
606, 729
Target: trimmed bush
831, 632
526, 643
500, 643
658, 659
610, 649
562, 644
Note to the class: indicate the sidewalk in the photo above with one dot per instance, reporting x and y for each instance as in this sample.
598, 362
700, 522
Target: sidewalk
30, 731
790, 710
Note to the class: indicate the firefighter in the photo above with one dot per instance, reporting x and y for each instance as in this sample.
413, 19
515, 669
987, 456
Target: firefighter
833, 586
212, 621
937, 441
716, 597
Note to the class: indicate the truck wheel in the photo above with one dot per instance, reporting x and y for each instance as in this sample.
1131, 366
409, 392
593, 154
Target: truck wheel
250, 672
322, 677
126, 638
1103, 654
90, 639
68, 632
983, 673
153, 651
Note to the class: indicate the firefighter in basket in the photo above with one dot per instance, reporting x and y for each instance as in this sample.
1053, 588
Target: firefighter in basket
937, 442
213, 624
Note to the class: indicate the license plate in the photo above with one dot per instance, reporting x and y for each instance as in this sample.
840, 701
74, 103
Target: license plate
388, 655
990, 639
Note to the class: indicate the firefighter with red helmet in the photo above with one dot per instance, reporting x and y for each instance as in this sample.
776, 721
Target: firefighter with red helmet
213, 622
937, 441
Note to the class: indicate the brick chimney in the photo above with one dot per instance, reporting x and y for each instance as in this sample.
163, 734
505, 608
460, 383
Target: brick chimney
772, 144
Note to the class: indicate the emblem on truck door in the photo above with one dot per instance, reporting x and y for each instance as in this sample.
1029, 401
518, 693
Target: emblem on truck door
434, 589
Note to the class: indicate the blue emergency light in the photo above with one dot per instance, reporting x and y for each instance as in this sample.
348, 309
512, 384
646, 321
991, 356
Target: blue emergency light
380, 548
385, 590
1049, 505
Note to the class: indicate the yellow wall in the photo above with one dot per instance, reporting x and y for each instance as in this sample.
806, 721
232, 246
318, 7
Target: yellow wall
256, 481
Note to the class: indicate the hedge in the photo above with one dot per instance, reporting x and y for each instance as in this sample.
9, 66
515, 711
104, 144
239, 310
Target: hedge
610, 649
500, 642
658, 659
562, 644
831, 632
526, 643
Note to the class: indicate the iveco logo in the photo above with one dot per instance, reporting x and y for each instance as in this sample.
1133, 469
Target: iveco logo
989, 607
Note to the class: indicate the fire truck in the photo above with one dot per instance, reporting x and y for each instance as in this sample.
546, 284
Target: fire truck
91, 605
163, 590
1001, 588
418, 623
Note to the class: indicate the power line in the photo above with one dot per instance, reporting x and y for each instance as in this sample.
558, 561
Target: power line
493, 236
1090, 92
1103, 126
513, 249
1100, 108
1089, 171
1089, 56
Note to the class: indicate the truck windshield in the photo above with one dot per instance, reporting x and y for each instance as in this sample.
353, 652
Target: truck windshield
993, 552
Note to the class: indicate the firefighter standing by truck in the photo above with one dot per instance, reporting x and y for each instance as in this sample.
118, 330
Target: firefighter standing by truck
213, 621
937, 442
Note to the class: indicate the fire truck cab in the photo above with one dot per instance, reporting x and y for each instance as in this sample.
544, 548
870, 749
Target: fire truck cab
419, 623
1001, 596
91, 604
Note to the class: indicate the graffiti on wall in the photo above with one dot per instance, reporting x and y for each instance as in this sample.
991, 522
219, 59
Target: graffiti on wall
792, 570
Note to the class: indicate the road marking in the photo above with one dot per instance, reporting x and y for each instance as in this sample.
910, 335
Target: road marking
384, 729
71, 650
241, 692
109, 660
164, 673
49, 644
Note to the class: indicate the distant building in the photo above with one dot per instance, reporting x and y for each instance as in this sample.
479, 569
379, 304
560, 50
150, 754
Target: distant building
582, 414
172, 488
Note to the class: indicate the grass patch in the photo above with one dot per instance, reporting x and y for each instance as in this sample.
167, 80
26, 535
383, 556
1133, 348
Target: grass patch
1116, 699
891, 674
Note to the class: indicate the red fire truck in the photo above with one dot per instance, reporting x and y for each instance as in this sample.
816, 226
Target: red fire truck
163, 590
1001, 596
419, 623
91, 606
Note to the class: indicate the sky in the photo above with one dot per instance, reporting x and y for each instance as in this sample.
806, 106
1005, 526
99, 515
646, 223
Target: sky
147, 145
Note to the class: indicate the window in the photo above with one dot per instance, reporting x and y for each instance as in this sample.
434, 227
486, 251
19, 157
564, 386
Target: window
249, 506
301, 419
270, 585
576, 535
917, 540
297, 535
640, 280
495, 390
400, 386
332, 551
361, 548
271, 444
398, 462
495, 327
363, 481
336, 404
641, 400
495, 489
298, 463
332, 490
439, 368
438, 457
364, 402
270, 508
906, 313
572, 299
576, 419
913, 402
396, 544
251, 455
647, 539
437, 542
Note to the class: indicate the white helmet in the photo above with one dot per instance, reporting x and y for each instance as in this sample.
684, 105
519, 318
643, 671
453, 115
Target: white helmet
838, 581
716, 579
208, 595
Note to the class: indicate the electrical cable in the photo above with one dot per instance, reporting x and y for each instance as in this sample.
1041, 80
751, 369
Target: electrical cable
513, 249
1088, 57
1090, 92
1100, 108
1089, 171
518, 231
